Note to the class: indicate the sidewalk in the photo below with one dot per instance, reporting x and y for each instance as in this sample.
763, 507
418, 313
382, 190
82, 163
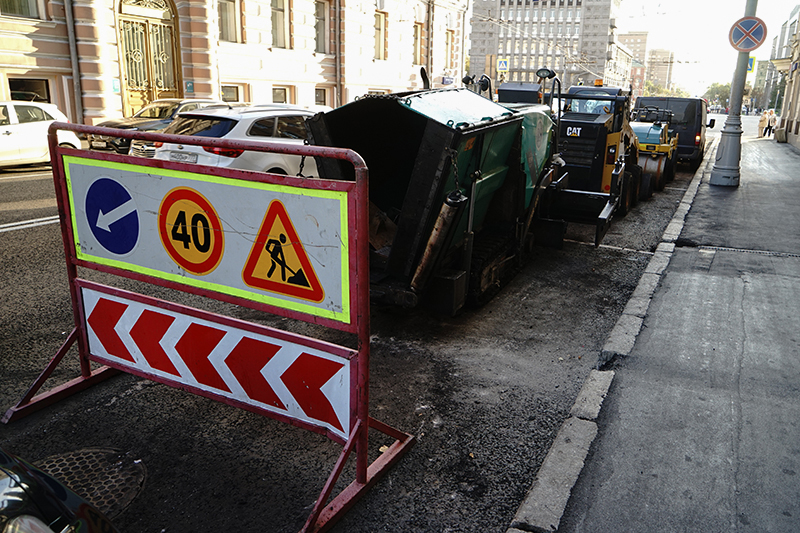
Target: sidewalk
700, 430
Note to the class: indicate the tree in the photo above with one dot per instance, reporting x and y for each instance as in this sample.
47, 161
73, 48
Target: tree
776, 98
758, 97
680, 93
718, 94
653, 89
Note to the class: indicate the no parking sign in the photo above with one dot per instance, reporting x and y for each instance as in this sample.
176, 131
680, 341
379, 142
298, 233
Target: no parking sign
747, 34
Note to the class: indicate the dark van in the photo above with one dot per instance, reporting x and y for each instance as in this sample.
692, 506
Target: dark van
689, 121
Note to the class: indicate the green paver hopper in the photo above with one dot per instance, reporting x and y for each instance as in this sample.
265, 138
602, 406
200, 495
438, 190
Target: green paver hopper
453, 187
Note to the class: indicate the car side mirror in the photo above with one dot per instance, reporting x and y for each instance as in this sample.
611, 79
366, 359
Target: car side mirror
712, 122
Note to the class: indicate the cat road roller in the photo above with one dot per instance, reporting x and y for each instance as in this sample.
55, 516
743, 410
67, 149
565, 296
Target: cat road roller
658, 151
601, 176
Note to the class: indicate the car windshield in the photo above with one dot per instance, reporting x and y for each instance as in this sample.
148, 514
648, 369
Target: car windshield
590, 106
157, 110
201, 126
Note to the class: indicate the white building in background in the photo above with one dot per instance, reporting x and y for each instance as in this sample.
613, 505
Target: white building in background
619, 65
574, 37
117, 55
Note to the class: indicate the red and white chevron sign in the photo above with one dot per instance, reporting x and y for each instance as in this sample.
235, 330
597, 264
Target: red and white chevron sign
270, 370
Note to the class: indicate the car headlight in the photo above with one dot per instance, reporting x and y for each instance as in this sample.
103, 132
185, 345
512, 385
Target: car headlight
26, 524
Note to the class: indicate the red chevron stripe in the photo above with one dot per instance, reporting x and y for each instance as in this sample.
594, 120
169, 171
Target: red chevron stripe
147, 332
194, 347
104, 318
246, 361
304, 378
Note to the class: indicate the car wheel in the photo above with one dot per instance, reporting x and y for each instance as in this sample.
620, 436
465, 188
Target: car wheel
277, 170
68, 145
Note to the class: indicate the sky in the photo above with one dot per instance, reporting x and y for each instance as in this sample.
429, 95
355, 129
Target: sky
697, 31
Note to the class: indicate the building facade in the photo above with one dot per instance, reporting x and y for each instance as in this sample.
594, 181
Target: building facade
573, 37
659, 67
759, 99
786, 60
636, 42
781, 50
117, 55
638, 72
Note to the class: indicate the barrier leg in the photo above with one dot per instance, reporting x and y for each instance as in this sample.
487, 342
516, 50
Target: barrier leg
323, 519
31, 403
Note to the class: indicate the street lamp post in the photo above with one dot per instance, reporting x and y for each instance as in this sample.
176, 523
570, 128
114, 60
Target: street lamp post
729, 152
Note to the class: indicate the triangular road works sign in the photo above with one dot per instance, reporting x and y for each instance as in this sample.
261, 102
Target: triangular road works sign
278, 262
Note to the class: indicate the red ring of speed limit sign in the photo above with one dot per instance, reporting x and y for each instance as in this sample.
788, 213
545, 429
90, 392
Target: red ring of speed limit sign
190, 231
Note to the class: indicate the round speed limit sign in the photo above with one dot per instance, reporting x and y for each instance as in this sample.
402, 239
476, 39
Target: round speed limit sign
190, 231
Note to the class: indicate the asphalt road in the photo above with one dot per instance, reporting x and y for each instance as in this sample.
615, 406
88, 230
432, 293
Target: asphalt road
484, 393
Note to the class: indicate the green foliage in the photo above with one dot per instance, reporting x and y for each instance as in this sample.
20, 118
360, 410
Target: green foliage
653, 89
718, 94
758, 96
776, 98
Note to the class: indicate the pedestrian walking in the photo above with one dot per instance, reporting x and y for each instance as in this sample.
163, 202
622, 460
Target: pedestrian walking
762, 123
772, 119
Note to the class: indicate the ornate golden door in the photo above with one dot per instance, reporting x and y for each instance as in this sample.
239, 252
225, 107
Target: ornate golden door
148, 53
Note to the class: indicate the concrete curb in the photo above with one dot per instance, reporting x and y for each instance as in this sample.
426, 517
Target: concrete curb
623, 336
546, 500
544, 505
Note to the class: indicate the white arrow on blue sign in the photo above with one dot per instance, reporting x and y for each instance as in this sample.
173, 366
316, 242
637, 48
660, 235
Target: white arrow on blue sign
112, 217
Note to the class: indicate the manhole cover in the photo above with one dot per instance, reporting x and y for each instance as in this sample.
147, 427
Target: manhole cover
108, 479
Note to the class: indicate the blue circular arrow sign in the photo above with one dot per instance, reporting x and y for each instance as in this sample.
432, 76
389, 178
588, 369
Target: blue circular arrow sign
747, 34
112, 217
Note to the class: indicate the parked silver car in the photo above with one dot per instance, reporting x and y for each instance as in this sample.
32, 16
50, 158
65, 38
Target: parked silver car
276, 123
155, 116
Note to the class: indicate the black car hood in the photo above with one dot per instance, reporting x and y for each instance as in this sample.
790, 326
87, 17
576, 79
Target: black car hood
134, 123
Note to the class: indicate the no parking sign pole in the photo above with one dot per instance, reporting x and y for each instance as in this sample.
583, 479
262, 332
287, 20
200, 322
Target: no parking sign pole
746, 35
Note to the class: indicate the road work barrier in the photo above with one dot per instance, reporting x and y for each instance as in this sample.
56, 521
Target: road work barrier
291, 246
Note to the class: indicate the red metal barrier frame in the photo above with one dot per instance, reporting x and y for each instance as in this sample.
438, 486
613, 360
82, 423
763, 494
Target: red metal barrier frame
354, 437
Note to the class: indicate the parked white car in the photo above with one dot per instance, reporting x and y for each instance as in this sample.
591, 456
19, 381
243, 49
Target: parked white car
23, 132
274, 123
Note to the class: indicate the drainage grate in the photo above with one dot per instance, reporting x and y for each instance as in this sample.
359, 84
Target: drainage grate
742, 250
108, 479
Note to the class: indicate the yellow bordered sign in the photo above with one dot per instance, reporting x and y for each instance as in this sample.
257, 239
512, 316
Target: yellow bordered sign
201, 230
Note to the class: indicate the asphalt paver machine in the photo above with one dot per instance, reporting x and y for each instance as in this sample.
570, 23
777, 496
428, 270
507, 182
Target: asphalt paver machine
455, 179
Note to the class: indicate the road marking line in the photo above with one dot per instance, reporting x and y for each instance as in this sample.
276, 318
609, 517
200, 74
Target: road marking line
770, 253
25, 224
610, 247
35, 175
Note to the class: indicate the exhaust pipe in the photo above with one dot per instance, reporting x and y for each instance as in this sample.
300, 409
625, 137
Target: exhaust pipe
452, 205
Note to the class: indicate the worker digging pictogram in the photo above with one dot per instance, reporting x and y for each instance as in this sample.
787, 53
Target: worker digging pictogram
275, 249
278, 262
